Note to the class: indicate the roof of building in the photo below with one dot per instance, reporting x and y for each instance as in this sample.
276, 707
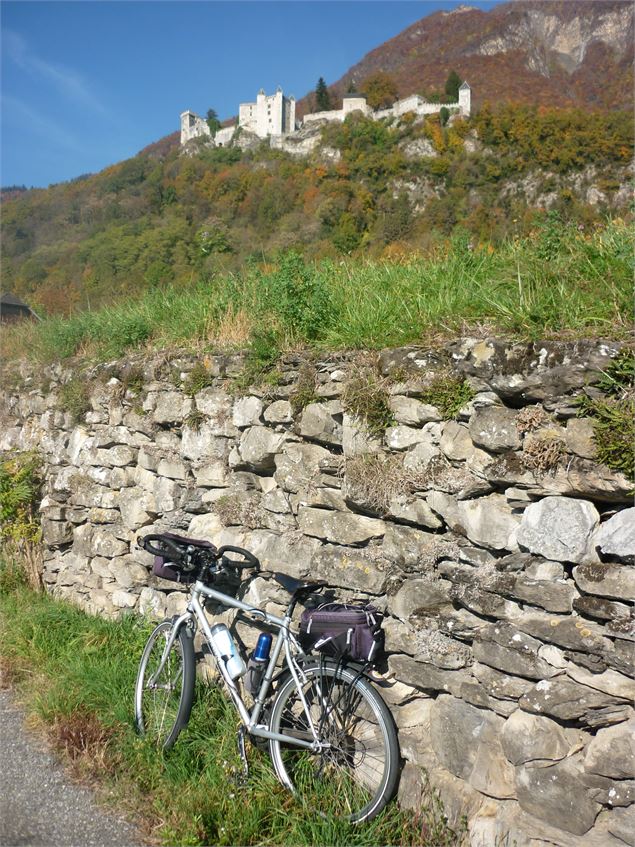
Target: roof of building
464, 86
11, 300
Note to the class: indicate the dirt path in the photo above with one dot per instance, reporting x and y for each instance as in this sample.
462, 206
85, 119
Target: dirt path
39, 805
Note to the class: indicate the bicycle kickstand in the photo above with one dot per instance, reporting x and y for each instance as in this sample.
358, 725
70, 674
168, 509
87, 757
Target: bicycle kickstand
241, 779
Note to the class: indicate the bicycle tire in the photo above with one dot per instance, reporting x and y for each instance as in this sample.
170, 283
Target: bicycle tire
356, 777
162, 708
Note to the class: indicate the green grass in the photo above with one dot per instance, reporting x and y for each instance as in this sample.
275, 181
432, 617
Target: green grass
75, 675
580, 287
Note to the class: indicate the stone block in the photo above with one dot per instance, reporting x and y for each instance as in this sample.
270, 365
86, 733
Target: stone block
494, 429
322, 422
616, 537
258, 448
418, 596
559, 528
611, 752
339, 527
557, 796
427, 677
298, 465
247, 412
503, 647
412, 412
487, 521
527, 738
279, 412
565, 700
359, 570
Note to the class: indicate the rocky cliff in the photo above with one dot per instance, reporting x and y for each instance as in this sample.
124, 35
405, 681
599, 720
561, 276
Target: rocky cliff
457, 487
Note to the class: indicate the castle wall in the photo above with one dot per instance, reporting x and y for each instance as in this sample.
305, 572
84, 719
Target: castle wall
508, 583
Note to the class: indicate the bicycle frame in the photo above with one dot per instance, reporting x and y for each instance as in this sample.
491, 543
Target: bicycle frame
195, 612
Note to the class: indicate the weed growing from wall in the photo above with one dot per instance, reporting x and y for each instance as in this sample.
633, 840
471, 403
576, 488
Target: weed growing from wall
74, 398
613, 417
449, 394
197, 379
304, 391
365, 396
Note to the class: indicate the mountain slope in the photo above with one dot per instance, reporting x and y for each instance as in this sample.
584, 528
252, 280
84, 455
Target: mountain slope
552, 53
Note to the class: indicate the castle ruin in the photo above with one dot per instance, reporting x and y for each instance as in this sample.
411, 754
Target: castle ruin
273, 116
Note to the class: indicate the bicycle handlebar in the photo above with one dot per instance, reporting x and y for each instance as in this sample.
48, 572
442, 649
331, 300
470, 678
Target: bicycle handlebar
250, 560
170, 547
177, 551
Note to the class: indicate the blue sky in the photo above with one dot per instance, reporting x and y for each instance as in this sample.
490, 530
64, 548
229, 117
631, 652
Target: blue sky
89, 83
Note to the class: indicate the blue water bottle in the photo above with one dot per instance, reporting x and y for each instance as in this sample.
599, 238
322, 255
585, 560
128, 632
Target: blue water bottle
257, 663
263, 648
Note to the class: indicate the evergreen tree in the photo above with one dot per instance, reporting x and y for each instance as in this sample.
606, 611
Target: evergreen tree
212, 121
452, 85
322, 96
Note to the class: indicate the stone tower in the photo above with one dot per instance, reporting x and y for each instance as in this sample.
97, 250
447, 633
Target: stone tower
465, 99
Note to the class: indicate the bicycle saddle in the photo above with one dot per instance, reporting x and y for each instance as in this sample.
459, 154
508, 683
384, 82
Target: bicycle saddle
296, 587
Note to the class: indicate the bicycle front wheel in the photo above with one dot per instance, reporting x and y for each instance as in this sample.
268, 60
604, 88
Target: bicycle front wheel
354, 775
163, 700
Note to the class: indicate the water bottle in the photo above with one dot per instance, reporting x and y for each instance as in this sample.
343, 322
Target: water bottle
257, 663
224, 643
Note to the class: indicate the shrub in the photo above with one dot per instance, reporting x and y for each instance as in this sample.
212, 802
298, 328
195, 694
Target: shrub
304, 390
613, 421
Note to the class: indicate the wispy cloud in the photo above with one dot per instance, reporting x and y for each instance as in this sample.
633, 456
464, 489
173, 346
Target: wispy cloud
17, 112
66, 81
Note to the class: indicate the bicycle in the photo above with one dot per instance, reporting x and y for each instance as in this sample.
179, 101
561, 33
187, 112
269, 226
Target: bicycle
330, 734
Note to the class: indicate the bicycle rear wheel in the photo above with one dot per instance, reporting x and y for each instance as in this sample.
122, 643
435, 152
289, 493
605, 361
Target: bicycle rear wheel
163, 702
355, 775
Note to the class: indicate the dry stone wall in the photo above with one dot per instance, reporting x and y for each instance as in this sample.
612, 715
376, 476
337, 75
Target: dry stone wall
501, 550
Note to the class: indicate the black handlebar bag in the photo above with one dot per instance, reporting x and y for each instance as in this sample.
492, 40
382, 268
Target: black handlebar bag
343, 631
165, 569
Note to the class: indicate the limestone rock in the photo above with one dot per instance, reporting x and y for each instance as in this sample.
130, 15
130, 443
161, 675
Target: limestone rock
528, 737
413, 549
565, 700
204, 527
611, 752
357, 439
279, 412
319, 422
123, 599
556, 795
413, 510
456, 443
610, 681
427, 677
407, 410
559, 528
349, 568
622, 825
504, 648
616, 537
403, 437
578, 437
247, 412
339, 527
291, 553
487, 521
297, 465
259, 446
171, 407
503, 686
465, 739
201, 444
419, 595
494, 429
566, 631
600, 608
607, 580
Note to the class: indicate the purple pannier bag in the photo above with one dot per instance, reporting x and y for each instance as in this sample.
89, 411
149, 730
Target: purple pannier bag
165, 569
343, 630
